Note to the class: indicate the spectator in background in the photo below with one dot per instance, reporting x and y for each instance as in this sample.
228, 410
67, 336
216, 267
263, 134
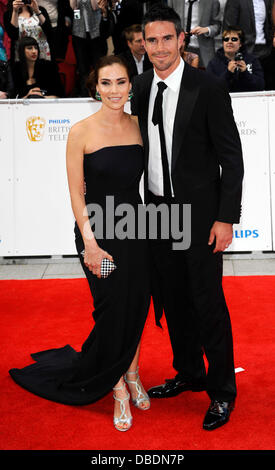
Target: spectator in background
218, 38
190, 57
135, 55
87, 43
6, 40
22, 20
254, 17
3, 54
269, 63
202, 23
6, 82
128, 12
242, 71
34, 77
61, 16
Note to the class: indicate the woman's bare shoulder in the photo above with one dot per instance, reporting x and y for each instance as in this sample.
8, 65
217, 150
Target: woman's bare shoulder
81, 126
135, 127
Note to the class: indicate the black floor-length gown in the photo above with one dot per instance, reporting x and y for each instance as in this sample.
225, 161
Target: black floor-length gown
121, 301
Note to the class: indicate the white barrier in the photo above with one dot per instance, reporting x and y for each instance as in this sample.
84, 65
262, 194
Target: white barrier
272, 161
35, 208
254, 233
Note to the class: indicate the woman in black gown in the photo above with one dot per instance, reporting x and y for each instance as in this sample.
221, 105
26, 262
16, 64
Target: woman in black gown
104, 156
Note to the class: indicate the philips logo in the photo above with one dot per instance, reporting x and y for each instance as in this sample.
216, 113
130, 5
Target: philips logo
245, 234
59, 121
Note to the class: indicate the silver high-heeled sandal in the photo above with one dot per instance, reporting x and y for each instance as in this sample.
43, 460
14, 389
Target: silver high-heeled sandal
142, 397
123, 418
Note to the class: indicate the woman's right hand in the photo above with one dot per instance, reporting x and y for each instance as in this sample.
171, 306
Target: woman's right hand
93, 256
35, 91
17, 4
232, 65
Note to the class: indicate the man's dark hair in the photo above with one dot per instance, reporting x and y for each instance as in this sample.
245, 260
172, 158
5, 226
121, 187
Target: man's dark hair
160, 12
131, 30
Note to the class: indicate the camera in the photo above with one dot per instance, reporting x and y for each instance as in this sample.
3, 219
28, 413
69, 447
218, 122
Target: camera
27, 2
238, 56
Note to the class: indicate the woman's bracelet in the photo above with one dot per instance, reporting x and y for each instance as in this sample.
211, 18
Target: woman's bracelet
39, 13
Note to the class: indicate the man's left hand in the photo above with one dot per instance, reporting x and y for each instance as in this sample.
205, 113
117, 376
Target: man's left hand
198, 30
223, 233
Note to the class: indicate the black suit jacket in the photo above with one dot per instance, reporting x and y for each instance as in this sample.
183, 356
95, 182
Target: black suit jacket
128, 57
207, 163
241, 13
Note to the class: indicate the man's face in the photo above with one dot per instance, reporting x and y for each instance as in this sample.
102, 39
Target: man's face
162, 45
137, 44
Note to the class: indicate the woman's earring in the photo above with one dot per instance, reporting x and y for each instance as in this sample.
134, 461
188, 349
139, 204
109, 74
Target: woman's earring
97, 96
131, 94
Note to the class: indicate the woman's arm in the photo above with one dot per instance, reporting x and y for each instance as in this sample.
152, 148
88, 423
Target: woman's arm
74, 161
74, 4
15, 11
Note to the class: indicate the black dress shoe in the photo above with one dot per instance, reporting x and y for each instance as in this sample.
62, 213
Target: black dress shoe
218, 414
174, 387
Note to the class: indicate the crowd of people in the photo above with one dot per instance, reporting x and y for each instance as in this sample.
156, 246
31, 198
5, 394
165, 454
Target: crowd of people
232, 39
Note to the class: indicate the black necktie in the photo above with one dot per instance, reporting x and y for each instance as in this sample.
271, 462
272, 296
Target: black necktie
157, 118
189, 21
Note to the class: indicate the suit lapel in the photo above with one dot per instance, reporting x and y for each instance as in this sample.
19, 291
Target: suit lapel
201, 10
250, 8
133, 63
188, 94
144, 105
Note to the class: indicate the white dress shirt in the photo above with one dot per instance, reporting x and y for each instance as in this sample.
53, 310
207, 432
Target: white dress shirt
194, 22
139, 64
260, 16
170, 100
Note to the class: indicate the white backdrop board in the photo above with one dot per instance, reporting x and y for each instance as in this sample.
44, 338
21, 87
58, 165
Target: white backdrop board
43, 215
35, 207
254, 231
6, 182
272, 160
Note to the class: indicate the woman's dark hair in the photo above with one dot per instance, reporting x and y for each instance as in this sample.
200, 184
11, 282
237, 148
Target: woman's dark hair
22, 44
105, 61
161, 12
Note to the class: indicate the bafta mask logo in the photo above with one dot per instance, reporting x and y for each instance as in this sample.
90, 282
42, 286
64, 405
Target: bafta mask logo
35, 126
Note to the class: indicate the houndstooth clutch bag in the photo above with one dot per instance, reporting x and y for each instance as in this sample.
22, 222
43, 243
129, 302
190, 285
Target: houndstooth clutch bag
107, 266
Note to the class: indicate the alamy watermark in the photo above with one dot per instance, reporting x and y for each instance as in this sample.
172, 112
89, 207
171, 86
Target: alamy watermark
142, 221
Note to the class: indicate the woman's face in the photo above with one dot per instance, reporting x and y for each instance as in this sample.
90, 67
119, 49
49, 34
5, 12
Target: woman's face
231, 43
31, 53
113, 85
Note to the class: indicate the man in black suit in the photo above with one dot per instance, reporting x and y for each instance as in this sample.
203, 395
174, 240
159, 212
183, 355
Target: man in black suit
135, 55
127, 12
201, 165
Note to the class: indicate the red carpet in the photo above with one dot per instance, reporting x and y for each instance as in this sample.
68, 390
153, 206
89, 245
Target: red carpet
42, 314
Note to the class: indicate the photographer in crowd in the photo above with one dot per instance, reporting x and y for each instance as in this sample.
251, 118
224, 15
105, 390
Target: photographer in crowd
242, 71
26, 18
